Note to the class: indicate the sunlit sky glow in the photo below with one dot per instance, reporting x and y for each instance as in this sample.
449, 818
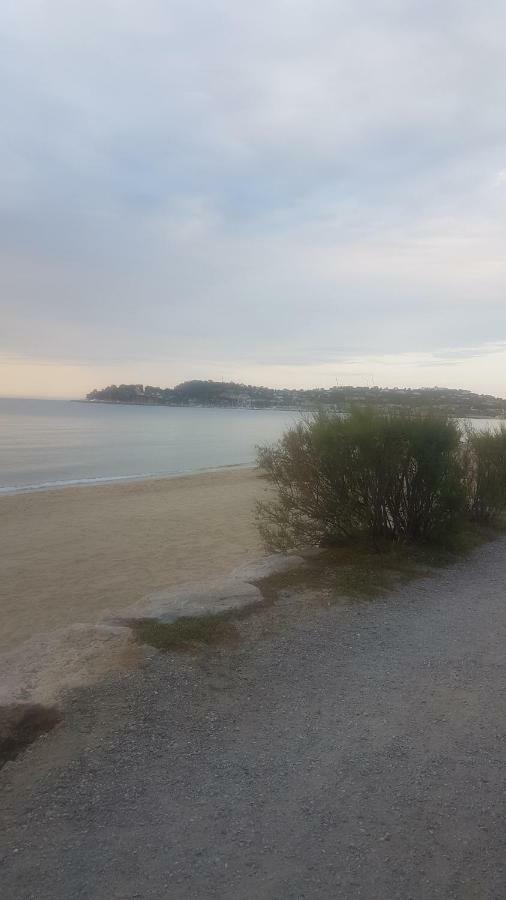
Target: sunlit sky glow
289, 193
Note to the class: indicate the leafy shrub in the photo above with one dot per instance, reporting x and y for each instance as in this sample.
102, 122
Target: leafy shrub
395, 477
486, 474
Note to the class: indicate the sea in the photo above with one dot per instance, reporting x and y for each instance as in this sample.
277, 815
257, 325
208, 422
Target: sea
57, 443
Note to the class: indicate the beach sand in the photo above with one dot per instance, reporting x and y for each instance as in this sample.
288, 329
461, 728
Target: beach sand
70, 555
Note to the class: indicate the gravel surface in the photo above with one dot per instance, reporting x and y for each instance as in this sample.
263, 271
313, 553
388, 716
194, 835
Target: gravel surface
355, 751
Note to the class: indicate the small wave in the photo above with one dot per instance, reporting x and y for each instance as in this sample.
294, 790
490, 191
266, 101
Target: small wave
6, 490
73, 482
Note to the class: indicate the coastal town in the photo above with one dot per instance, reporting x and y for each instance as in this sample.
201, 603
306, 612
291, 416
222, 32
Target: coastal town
448, 401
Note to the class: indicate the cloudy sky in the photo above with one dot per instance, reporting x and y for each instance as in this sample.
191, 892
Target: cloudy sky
289, 192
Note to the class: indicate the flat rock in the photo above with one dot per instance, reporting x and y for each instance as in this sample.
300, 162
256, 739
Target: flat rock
192, 600
237, 591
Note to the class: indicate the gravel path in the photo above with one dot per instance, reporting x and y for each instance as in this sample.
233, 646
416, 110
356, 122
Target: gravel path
356, 751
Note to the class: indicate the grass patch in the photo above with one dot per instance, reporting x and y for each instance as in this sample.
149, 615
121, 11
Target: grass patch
185, 632
355, 570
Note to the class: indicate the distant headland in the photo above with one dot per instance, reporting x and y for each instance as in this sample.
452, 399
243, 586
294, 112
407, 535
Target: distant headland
231, 394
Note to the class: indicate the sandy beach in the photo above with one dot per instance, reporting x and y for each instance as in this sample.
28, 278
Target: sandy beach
70, 555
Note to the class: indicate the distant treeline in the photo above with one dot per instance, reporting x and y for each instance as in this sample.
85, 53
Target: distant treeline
231, 394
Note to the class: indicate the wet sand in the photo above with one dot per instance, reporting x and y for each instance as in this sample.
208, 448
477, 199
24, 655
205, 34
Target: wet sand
70, 555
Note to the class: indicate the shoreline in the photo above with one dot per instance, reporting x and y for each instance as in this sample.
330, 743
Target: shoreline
103, 481
298, 409
72, 555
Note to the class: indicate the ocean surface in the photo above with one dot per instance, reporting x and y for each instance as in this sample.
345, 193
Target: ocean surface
54, 443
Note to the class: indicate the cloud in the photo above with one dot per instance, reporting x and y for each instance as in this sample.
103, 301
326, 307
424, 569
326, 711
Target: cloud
290, 184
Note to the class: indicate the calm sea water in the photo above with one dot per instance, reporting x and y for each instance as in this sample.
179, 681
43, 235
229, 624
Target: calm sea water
46, 443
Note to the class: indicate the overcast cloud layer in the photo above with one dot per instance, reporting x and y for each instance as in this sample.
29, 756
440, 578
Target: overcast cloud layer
289, 192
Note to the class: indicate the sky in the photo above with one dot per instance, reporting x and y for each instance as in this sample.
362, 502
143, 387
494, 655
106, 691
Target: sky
289, 193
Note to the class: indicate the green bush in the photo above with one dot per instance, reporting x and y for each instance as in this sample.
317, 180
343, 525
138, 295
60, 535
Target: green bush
486, 468
394, 477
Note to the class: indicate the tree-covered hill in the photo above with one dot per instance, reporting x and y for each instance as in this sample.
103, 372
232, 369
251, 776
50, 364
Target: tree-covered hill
232, 394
